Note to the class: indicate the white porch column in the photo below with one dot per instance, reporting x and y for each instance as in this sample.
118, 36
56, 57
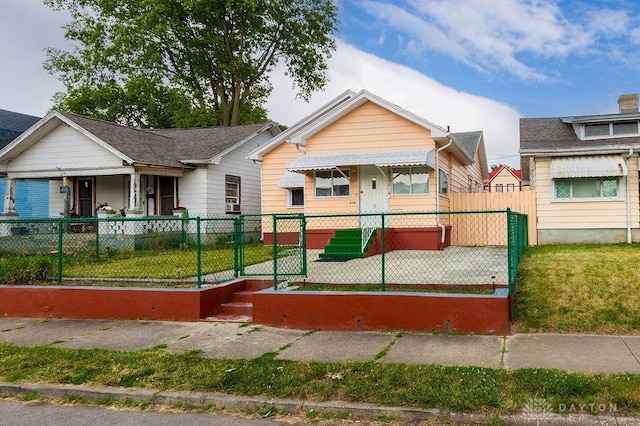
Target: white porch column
134, 193
9, 208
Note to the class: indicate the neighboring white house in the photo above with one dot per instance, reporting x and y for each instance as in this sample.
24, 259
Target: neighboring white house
584, 170
90, 163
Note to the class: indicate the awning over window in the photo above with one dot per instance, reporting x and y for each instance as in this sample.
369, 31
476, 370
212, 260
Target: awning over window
588, 166
400, 157
291, 180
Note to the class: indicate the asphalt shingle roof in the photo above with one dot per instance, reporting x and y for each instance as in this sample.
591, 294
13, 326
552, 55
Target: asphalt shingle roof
469, 142
551, 134
165, 147
12, 124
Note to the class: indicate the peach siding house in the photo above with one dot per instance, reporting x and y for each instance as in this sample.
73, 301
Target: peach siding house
359, 154
503, 179
584, 170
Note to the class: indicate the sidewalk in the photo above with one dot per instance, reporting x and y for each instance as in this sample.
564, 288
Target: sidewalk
576, 353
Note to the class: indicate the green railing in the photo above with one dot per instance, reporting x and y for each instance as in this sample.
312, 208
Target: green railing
407, 251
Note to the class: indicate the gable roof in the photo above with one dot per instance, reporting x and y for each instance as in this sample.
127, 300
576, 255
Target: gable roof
495, 172
12, 124
157, 147
349, 101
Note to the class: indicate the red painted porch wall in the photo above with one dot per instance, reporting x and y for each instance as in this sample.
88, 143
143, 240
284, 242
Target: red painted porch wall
118, 303
376, 311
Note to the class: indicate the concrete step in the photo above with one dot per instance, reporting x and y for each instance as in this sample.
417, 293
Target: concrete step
235, 308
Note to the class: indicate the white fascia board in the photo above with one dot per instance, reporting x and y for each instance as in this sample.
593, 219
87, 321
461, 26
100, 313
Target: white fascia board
301, 136
617, 149
258, 153
56, 173
218, 158
44, 126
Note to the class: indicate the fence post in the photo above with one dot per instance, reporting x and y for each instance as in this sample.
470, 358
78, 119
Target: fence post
275, 252
303, 243
97, 238
198, 252
59, 275
382, 248
237, 234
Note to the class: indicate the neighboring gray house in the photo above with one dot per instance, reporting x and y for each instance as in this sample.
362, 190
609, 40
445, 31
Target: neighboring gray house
145, 172
33, 199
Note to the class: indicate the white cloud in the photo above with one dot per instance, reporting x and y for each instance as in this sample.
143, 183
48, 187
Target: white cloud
353, 69
491, 36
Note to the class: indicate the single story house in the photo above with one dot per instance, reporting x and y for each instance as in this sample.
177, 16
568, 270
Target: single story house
362, 154
89, 163
503, 179
584, 170
33, 194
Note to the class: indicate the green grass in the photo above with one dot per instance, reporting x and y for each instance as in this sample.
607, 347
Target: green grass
579, 289
457, 389
164, 264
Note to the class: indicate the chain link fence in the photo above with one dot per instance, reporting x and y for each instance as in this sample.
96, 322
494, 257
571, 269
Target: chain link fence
464, 251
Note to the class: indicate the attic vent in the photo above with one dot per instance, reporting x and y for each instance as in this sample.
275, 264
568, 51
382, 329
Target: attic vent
628, 103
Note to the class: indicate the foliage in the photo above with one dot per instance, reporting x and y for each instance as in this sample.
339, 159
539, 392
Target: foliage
25, 270
178, 63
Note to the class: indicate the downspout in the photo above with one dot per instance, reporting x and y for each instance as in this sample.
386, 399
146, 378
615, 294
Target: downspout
438, 222
628, 197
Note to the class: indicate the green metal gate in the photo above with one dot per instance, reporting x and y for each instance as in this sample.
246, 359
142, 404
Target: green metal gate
286, 237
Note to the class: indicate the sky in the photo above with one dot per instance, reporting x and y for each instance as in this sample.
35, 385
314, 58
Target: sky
467, 64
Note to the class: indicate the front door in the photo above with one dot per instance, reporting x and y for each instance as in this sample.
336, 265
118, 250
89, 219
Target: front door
374, 195
85, 197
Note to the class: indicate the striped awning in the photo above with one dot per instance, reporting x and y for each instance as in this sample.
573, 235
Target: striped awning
588, 166
327, 161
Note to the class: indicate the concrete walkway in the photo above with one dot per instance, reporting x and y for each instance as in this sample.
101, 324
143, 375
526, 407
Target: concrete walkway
576, 353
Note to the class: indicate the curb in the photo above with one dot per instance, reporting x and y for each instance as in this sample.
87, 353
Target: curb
224, 401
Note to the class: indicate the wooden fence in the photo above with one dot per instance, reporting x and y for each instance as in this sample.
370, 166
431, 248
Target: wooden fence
481, 230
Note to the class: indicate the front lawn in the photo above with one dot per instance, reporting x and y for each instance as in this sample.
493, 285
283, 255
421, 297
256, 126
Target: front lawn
579, 289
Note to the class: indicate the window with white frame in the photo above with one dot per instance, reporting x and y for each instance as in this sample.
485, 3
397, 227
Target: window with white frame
444, 182
296, 197
622, 128
586, 188
410, 180
232, 193
332, 183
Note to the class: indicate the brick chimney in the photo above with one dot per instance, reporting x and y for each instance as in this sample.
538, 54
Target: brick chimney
628, 103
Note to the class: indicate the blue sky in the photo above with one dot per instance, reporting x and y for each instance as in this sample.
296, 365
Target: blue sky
468, 64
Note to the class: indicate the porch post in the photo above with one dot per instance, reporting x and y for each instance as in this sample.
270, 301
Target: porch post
134, 192
9, 208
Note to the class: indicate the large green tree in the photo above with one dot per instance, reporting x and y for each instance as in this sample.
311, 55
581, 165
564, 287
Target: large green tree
176, 63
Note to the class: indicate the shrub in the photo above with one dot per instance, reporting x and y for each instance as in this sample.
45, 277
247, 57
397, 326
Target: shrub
25, 270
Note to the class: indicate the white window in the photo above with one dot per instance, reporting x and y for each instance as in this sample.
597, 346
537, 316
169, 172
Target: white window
410, 180
444, 182
332, 183
296, 197
232, 193
586, 188
511, 187
623, 128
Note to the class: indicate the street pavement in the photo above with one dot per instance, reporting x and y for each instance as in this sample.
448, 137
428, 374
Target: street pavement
574, 353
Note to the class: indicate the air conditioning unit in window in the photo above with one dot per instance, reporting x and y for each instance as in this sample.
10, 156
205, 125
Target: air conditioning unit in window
232, 207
